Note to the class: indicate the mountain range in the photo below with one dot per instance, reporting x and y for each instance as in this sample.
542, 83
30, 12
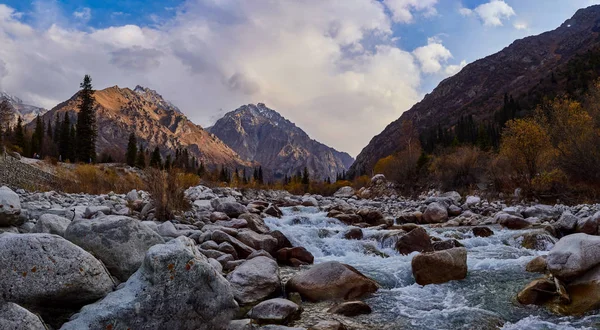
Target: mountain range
529, 69
25, 111
260, 134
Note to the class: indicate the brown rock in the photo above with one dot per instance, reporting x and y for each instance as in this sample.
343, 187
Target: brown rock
328, 325
416, 240
537, 265
537, 292
445, 245
482, 232
350, 308
331, 281
354, 233
440, 266
298, 253
370, 216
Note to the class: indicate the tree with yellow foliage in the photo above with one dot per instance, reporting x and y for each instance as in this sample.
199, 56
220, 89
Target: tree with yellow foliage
527, 146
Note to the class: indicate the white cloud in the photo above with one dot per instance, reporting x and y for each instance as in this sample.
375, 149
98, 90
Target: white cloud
432, 56
298, 58
520, 26
85, 14
491, 13
454, 69
402, 10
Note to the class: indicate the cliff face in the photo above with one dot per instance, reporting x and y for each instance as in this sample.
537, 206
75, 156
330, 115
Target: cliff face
480, 87
155, 122
260, 134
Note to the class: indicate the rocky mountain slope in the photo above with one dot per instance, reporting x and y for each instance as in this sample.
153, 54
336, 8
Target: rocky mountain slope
260, 134
155, 121
25, 111
524, 69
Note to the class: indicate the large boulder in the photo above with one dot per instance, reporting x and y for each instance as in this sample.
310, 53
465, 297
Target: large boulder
574, 255
10, 208
51, 224
344, 192
255, 222
511, 221
232, 209
331, 281
255, 280
278, 310
295, 256
589, 225
440, 266
15, 317
258, 241
350, 308
542, 212
566, 224
538, 292
370, 216
584, 294
539, 240
120, 242
36, 268
175, 288
417, 240
243, 250
435, 213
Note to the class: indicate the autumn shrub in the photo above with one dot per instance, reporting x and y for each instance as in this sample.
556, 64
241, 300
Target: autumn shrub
167, 191
460, 168
94, 179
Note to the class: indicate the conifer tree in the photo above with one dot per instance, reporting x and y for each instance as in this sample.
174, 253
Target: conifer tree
57, 125
38, 136
131, 153
260, 175
86, 123
155, 159
201, 170
141, 158
72, 143
305, 176
64, 140
167, 164
20, 134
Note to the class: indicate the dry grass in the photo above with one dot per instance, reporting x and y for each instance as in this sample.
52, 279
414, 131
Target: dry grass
97, 179
167, 191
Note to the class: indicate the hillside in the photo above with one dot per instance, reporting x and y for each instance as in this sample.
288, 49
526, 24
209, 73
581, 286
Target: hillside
25, 111
260, 134
529, 69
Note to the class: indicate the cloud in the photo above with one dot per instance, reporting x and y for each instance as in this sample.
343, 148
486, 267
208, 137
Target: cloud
340, 77
432, 56
402, 10
491, 13
520, 26
85, 14
454, 69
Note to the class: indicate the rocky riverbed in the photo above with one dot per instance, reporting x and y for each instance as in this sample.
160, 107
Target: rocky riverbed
267, 259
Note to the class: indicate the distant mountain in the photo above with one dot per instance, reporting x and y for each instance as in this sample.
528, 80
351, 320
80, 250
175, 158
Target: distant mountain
155, 122
25, 111
260, 134
562, 60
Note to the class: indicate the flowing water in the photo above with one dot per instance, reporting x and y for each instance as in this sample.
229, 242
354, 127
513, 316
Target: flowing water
484, 300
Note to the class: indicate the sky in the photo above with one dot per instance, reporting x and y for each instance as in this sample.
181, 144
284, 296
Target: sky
341, 70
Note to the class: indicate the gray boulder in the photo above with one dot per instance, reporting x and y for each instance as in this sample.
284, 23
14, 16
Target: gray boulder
258, 241
573, 255
566, 224
255, 222
255, 280
175, 288
278, 310
15, 317
10, 208
440, 266
51, 224
120, 242
232, 209
435, 213
344, 192
40, 265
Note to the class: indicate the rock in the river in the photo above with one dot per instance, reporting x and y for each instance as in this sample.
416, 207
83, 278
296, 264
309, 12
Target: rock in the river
295, 256
482, 232
120, 242
416, 240
51, 224
273, 211
328, 325
175, 288
344, 192
255, 280
330, 281
584, 294
445, 245
10, 208
258, 241
511, 221
277, 310
566, 224
354, 233
370, 216
537, 292
255, 222
539, 240
35, 270
440, 266
350, 308
232, 209
435, 213
15, 317
537, 265
309, 201
589, 225
574, 255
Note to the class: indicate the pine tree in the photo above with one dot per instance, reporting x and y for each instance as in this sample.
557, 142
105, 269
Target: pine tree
305, 176
86, 123
201, 170
57, 124
38, 136
141, 158
167, 165
155, 159
64, 140
131, 153
260, 175
49, 131
72, 143
20, 134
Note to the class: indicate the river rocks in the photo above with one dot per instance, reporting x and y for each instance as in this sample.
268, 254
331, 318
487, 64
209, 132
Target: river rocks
35, 267
537, 265
482, 231
573, 255
273, 211
120, 242
417, 240
445, 245
542, 212
175, 288
15, 317
328, 325
344, 192
566, 224
348, 219
589, 225
255, 280
51, 224
370, 216
454, 210
511, 221
295, 256
435, 213
584, 294
258, 241
309, 201
232, 209
10, 208
242, 249
537, 292
330, 281
255, 222
278, 310
350, 308
539, 240
440, 267
354, 233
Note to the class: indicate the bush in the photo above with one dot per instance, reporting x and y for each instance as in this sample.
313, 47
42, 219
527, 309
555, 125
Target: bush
460, 168
167, 191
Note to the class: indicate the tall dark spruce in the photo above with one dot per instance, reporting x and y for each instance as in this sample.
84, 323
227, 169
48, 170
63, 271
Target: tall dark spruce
131, 150
86, 130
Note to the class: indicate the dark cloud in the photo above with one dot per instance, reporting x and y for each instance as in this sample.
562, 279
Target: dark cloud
240, 82
136, 58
